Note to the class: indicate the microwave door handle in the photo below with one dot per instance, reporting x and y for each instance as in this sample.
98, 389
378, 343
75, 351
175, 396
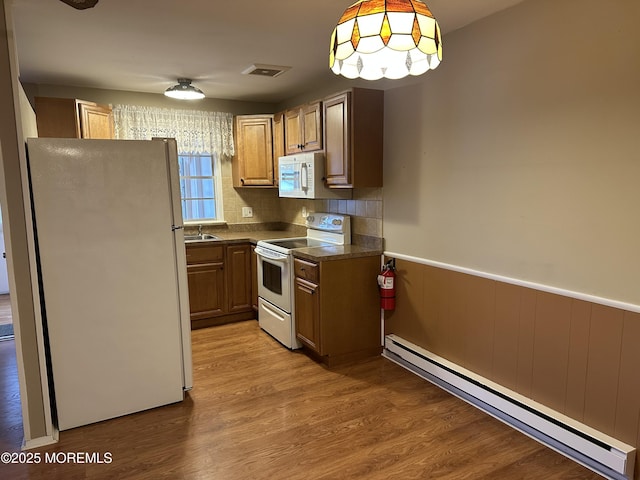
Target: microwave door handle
304, 181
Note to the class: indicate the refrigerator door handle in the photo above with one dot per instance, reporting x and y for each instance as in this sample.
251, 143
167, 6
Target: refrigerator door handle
176, 227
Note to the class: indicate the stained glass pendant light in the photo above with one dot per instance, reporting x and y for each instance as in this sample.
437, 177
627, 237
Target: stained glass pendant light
184, 90
385, 38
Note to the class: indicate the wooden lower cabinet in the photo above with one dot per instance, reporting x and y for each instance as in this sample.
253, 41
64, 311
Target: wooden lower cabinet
308, 313
337, 308
219, 279
239, 278
254, 278
206, 290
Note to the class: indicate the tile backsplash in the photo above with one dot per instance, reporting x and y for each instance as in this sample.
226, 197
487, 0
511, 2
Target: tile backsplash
364, 207
264, 201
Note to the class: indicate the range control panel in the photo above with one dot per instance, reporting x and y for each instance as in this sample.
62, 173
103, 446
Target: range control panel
329, 222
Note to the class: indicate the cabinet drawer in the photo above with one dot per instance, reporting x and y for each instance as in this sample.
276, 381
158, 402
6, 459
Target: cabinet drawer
204, 253
307, 270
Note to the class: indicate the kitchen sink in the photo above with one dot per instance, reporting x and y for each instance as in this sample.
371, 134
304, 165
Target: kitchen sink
200, 237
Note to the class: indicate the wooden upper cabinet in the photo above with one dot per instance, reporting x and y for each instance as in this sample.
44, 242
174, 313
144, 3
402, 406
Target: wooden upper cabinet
337, 117
293, 131
303, 128
253, 164
353, 131
278, 143
72, 118
96, 121
312, 123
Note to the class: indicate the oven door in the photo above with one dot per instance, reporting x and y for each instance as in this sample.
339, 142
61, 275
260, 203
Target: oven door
274, 277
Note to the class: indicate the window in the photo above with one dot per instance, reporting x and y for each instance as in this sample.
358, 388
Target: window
200, 188
207, 136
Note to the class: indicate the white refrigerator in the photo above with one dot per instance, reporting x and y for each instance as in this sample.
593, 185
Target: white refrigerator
112, 273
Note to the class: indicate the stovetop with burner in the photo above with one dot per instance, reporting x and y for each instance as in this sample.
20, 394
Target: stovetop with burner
323, 230
302, 242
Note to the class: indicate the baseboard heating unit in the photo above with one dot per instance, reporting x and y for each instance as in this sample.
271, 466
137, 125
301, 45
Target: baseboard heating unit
604, 455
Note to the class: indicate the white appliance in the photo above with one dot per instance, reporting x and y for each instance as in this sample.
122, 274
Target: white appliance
112, 271
302, 176
276, 280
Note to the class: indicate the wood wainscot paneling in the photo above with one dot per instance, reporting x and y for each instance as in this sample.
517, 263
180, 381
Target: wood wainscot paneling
551, 336
576, 357
628, 405
603, 372
506, 328
525, 340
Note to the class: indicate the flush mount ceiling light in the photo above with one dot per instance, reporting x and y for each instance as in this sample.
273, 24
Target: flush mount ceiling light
184, 90
385, 38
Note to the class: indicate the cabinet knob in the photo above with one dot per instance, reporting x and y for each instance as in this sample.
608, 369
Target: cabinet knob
242, 181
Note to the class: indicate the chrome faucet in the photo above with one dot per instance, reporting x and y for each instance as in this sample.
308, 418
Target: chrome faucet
200, 230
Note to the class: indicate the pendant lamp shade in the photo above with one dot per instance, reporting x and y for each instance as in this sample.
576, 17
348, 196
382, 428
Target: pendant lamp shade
385, 38
184, 91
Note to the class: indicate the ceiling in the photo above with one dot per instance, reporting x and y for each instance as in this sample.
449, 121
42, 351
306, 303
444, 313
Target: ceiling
145, 45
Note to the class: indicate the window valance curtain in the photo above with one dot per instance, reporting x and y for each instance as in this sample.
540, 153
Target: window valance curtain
196, 132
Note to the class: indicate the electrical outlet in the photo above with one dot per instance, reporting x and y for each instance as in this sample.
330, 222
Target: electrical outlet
247, 212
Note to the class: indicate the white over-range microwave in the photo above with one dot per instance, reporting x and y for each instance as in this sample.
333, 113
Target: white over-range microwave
302, 176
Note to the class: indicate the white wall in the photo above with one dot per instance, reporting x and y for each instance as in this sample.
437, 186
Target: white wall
520, 155
31, 373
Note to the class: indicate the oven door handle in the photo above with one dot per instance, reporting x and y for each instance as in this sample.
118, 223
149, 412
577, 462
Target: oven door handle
271, 255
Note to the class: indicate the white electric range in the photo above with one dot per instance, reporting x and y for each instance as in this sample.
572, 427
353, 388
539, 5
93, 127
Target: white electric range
276, 280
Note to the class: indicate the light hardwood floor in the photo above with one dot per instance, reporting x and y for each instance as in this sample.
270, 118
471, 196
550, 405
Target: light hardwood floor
259, 411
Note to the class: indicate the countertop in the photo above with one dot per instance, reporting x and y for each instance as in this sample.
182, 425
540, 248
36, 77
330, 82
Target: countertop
253, 236
316, 254
337, 252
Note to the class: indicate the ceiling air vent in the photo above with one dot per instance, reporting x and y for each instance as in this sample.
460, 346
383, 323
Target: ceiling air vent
265, 70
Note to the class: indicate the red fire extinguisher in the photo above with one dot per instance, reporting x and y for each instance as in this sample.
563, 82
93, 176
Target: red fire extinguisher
387, 284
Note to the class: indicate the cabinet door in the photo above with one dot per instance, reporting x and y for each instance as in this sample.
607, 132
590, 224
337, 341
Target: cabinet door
253, 165
308, 314
337, 118
303, 128
293, 131
96, 121
206, 290
312, 126
57, 117
254, 278
71, 118
278, 143
239, 278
